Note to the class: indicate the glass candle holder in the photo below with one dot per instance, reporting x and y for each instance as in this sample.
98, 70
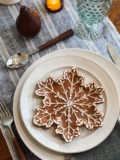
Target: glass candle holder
91, 13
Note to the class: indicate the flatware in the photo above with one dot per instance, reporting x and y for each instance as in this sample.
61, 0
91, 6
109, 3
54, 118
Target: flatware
7, 120
116, 59
20, 59
114, 55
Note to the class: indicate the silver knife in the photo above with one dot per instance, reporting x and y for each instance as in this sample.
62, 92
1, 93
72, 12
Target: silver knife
116, 58
114, 55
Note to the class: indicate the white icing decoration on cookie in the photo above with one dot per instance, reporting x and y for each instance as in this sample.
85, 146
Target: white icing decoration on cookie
69, 103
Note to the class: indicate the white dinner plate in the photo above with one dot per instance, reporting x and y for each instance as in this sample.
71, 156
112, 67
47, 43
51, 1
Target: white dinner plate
92, 72
38, 149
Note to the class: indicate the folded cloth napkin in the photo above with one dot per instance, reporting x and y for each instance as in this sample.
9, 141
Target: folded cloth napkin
52, 25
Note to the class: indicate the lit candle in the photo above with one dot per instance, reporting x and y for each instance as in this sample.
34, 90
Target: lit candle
54, 5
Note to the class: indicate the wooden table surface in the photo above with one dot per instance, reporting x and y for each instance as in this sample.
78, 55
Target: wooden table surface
114, 15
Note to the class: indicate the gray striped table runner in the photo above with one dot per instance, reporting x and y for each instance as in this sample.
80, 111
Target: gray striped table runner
52, 25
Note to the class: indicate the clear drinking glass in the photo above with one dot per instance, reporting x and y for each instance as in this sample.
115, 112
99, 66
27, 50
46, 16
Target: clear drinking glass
91, 13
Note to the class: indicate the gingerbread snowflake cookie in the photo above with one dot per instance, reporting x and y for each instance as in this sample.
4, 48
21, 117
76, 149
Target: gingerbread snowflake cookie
69, 103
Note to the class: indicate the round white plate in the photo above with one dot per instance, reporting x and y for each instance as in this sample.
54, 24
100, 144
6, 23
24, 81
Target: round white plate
54, 67
9, 2
38, 149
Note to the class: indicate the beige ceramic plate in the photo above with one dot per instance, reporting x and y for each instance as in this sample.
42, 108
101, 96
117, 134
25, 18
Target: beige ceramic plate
38, 149
55, 67
9, 2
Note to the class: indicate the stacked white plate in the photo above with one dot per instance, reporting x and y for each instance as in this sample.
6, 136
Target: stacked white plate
44, 143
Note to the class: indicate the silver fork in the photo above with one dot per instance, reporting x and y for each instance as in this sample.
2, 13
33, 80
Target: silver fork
7, 120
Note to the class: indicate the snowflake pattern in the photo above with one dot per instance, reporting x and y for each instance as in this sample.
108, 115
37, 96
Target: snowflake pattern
69, 103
